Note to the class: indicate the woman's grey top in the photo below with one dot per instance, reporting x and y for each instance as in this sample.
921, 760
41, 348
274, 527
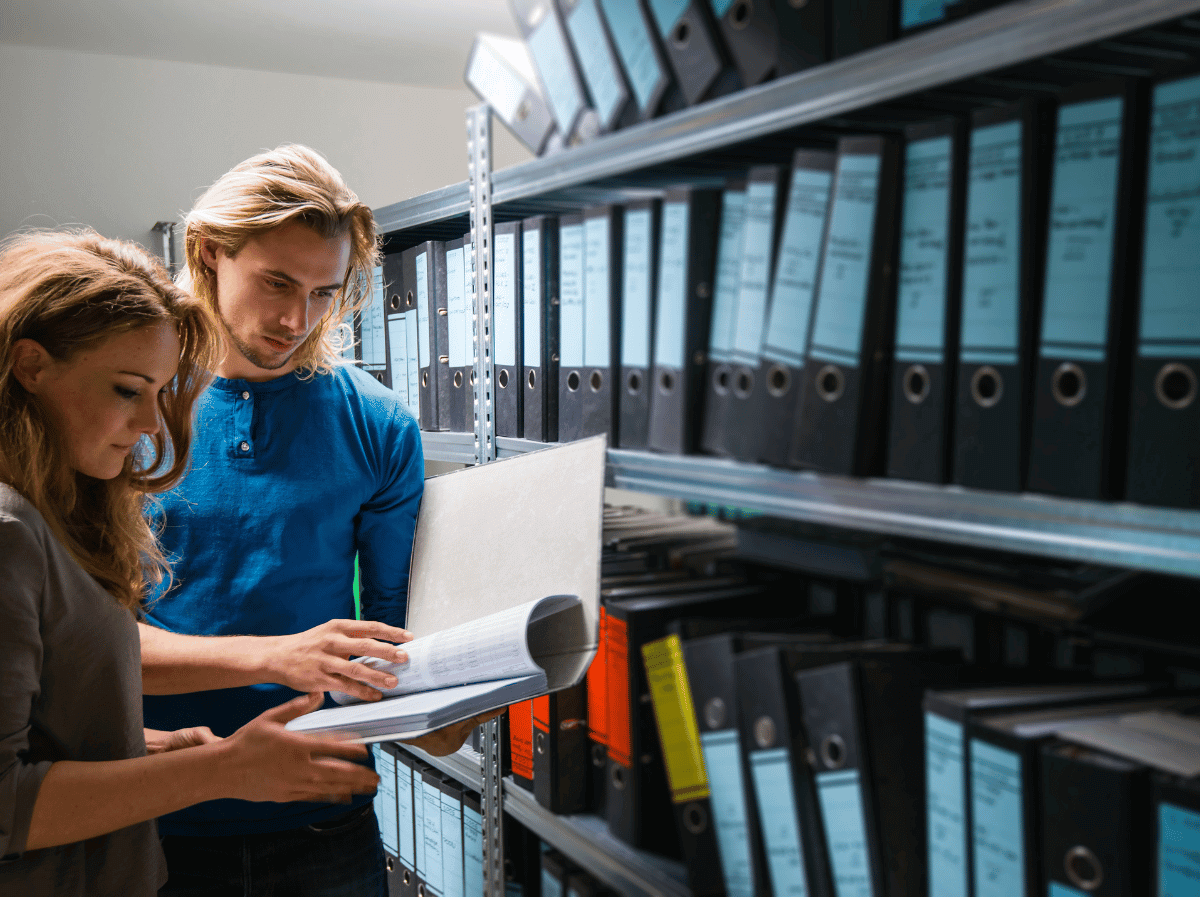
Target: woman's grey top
70, 689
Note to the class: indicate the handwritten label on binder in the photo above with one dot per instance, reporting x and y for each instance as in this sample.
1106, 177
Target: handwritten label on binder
924, 252
423, 308
944, 804
548, 46
531, 319
997, 821
672, 286
771, 772
570, 292
722, 760
591, 49
992, 256
1170, 316
504, 301
842, 295
635, 299
729, 273
635, 49
1178, 851
1083, 207
839, 795
385, 801
404, 813
597, 293
796, 272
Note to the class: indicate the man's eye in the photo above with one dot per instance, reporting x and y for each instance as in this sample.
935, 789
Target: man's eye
325, 296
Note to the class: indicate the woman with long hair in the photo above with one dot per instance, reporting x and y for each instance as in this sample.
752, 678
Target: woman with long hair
101, 360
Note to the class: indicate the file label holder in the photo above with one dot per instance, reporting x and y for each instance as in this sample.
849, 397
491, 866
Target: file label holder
637, 323
944, 779
572, 377
771, 773
997, 816
719, 370
839, 795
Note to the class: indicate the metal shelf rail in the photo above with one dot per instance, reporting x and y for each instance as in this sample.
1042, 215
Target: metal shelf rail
583, 838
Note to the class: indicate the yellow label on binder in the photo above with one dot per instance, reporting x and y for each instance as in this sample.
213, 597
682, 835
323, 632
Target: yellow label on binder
676, 717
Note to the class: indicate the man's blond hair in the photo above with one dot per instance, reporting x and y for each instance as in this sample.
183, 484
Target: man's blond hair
289, 184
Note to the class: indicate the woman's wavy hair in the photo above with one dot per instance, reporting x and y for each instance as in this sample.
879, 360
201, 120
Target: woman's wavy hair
291, 183
71, 291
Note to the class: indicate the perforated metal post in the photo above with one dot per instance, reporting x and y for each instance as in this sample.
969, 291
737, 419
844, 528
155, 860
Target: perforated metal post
479, 148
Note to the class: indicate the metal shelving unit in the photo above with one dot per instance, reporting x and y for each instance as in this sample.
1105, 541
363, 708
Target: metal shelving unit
706, 139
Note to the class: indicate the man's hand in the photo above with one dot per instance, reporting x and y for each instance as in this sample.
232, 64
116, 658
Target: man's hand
319, 659
447, 740
165, 741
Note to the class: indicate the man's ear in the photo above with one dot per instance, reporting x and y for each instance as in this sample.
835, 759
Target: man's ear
208, 253
31, 362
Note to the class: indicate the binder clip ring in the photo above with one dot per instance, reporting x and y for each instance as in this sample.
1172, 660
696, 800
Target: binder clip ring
764, 732
633, 384
1083, 868
394, 301
425, 379
682, 35
666, 383
695, 819
1175, 386
743, 383
574, 381
596, 380
916, 384
714, 713
458, 379
779, 380
1069, 384
502, 378
618, 777
721, 377
833, 751
743, 12
532, 380
987, 387
831, 383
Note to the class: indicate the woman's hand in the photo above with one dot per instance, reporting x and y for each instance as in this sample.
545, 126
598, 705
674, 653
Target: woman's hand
266, 762
165, 741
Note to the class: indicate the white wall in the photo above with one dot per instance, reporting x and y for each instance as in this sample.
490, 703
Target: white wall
119, 143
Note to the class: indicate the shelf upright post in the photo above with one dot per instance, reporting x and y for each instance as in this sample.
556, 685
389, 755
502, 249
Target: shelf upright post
479, 148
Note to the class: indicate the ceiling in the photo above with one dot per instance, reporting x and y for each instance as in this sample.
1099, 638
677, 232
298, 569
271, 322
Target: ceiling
395, 41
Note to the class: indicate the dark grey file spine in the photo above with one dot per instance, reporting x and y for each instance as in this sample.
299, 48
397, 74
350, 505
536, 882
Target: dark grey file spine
677, 382
921, 420
571, 373
506, 329
539, 328
602, 228
842, 424
994, 392
803, 34
640, 270
1081, 403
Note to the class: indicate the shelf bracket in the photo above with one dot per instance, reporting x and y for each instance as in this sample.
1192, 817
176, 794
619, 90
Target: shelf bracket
479, 148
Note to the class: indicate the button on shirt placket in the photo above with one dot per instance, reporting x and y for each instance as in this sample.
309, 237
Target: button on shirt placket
243, 418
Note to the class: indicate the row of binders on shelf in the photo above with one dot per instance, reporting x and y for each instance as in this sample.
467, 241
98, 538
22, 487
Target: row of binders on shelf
583, 68
1008, 302
431, 827
775, 732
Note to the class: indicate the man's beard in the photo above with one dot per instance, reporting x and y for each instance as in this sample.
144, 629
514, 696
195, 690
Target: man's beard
253, 355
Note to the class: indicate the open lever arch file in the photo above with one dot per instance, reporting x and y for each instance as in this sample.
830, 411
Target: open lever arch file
515, 618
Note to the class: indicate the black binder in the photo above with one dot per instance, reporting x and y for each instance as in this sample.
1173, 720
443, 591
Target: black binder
392, 298
863, 722
424, 275
506, 329
1006, 805
637, 799
545, 38
803, 34
841, 427
572, 377
785, 338
539, 328
1175, 827
710, 672
718, 373
687, 245
386, 813
1165, 410
1095, 809
775, 745
862, 24
689, 36
947, 764
765, 205
561, 763
460, 399
751, 35
921, 423
639, 265
1081, 400
405, 879
650, 80
1005, 224
597, 60
602, 310
370, 332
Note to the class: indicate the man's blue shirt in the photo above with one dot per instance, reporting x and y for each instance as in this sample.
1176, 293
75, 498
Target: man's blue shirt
289, 478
